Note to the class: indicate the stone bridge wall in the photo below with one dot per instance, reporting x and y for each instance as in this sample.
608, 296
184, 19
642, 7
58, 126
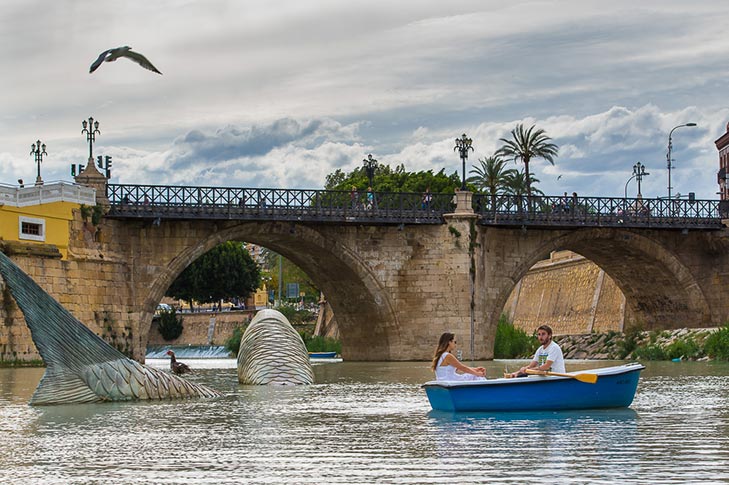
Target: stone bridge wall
393, 290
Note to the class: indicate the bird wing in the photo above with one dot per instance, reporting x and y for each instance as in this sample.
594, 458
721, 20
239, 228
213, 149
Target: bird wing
141, 60
99, 61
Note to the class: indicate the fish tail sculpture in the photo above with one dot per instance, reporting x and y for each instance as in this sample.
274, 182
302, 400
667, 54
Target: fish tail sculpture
81, 366
272, 352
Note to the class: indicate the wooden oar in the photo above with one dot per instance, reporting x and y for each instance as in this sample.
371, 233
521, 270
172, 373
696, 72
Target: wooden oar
588, 378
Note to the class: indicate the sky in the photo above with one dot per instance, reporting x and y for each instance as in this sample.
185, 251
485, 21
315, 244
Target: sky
278, 94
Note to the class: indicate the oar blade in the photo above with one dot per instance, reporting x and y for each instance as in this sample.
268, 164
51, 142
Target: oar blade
587, 378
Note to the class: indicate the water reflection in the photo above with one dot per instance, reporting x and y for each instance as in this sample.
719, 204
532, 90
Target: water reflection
365, 423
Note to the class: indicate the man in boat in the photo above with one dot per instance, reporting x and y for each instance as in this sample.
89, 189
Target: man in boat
548, 356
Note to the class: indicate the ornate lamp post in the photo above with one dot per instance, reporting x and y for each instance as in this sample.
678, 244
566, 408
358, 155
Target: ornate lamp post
639, 172
370, 164
38, 149
463, 144
669, 160
91, 129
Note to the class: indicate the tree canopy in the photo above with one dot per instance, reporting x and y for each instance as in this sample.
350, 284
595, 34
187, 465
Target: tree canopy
387, 179
226, 271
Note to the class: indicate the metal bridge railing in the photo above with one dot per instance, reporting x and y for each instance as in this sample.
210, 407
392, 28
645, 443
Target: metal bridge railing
175, 202
550, 211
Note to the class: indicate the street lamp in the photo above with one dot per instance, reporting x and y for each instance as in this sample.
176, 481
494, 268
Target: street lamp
463, 144
38, 150
639, 172
669, 160
91, 128
370, 164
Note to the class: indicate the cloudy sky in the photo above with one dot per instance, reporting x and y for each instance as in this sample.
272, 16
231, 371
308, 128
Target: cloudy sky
283, 92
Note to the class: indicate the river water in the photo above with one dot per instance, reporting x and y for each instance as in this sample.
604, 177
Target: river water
365, 423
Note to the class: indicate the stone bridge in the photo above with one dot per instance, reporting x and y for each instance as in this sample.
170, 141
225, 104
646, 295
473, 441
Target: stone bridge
393, 288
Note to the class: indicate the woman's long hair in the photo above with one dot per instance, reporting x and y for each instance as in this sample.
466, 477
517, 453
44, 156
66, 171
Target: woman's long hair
445, 339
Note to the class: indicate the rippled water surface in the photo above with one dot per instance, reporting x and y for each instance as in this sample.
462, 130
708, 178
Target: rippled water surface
367, 423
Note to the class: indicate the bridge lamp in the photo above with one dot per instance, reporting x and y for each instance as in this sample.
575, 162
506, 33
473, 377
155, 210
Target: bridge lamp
639, 172
91, 129
463, 144
370, 164
38, 149
669, 160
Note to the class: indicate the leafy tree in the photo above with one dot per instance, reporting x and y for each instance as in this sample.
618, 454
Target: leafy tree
169, 325
525, 145
388, 179
226, 271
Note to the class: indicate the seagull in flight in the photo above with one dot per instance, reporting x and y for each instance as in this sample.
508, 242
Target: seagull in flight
110, 55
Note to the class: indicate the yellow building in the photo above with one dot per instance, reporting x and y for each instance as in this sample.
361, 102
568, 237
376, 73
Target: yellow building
41, 214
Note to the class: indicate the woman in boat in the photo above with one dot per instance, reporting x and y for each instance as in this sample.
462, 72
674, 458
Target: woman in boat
448, 368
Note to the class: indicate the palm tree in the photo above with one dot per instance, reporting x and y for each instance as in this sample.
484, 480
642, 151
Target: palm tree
491, 176
517, 184
526, 145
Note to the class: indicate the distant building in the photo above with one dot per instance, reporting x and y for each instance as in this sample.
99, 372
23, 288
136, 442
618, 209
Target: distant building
41, 214
722, 144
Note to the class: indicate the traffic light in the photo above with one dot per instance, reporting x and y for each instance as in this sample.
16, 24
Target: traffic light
73, 170
108, 166
98, 162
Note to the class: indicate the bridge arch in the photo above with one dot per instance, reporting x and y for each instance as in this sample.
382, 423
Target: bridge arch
661, 290
349, 283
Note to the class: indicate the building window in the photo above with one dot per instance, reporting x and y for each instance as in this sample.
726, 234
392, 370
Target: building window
32, 229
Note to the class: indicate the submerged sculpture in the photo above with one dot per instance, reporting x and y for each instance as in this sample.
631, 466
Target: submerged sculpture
81, 366
272, 352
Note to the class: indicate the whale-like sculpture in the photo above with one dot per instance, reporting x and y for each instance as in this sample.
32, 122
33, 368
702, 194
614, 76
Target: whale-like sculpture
81, 366
272, 352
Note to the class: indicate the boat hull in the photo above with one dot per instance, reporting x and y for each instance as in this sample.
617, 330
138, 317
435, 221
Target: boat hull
322, 355
615, 388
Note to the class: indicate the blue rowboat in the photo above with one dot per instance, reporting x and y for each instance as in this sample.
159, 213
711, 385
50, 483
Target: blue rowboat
322, 355
615, 388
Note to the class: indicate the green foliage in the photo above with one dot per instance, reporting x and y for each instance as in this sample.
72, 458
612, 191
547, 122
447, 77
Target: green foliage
716, 345
94, 212
512, 342
524, 145
169, 325
294, 316
226, 271
650, 352
388, 179
233, 343
627, 346
454, 231
492, 176
687, 349
321, 344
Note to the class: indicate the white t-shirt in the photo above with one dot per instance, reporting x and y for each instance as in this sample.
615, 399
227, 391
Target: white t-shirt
553, 353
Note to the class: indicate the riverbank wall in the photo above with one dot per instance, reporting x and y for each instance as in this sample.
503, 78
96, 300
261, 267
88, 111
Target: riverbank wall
569, 293
204, 328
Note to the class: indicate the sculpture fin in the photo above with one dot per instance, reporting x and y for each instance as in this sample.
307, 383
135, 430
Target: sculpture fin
82, 367
62, 387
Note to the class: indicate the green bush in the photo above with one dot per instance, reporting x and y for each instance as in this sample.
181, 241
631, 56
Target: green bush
233, 343
627, 346
687, 349
512, 342
169, 324
650, 352
321, 344
716, 345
